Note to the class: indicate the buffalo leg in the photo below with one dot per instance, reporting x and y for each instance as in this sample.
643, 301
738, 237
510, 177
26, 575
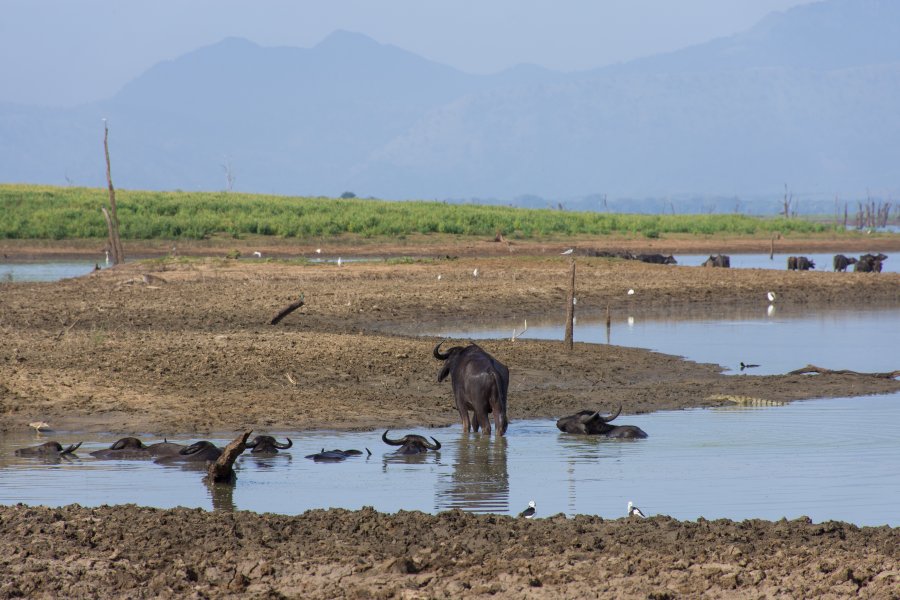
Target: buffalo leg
482, 418
464, 416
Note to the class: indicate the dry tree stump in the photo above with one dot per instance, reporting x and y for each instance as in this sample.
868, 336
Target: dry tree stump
222, 471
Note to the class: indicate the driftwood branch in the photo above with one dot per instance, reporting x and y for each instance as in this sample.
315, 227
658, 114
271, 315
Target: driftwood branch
822, 371
286, 311
222, 470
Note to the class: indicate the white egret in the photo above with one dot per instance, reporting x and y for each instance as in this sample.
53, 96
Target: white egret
257, 254
569, 251
631, 292
771, 296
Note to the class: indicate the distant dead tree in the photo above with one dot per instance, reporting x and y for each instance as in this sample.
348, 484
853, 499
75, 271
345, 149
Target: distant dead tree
787, 210
111, 216
229, 174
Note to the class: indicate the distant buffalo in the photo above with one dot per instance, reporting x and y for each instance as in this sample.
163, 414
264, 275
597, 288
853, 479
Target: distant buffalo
411, 444
870, 263
49, 450
841, 262
800, 263
335, 455
718, 260
657, 259
266, 444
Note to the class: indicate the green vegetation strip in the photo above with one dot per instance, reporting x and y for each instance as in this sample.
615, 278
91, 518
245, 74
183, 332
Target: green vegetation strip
42, 212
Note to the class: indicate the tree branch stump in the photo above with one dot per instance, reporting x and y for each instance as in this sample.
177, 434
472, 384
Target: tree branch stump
222, 470
570, 308
286, 311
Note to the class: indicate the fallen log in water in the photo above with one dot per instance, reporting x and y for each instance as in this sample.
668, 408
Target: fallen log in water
823, 371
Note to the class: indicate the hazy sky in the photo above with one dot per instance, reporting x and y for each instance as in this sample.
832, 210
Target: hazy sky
62, 52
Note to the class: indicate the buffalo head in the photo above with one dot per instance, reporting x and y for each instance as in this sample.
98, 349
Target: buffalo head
197, 452
480, 384
48, 449
335, 455
266, 444
127, 447
588, 422
411, 444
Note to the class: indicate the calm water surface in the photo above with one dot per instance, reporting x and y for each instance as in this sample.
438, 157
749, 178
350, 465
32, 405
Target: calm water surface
826, 459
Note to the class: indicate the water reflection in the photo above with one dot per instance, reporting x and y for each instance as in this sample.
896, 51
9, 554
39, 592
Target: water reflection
222, 496
479, 480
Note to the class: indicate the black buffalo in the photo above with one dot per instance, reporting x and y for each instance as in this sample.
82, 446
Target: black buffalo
800, 263
335, 455
132, 447
841, 262
718, 260
48, 450
657, 259
202, 451
480, 384
266, 444
593, 423
870, 263
411, 444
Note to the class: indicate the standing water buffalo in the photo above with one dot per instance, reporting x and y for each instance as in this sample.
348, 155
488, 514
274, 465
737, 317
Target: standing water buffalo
266, 444
593, 423
718, 260
841, 262
800, 263
48, 450
411, 444
657, 259
870, 263
480, 384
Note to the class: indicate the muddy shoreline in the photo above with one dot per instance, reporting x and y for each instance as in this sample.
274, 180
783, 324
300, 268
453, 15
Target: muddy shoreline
184, 345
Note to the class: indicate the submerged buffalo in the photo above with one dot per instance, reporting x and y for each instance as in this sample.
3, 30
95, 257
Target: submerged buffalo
657, 259
593, 423
411, 444
718, 260
132, 448
202, 451
480, 384
335, 455
49, 450
266, 444
841, 262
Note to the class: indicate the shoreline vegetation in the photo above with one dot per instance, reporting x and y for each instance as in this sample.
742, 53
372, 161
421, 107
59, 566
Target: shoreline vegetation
56, 213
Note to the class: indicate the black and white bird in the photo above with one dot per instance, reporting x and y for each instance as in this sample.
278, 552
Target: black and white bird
747, 366
528, 512
634, 511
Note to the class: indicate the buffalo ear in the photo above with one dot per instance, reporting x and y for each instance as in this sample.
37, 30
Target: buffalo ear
442, 375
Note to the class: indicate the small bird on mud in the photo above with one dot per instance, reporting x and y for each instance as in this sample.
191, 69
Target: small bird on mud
257, 254
747, 366
569, 251
631, 292
339, 261
475, 273
528, 512
38, 425
318, 251
634, 511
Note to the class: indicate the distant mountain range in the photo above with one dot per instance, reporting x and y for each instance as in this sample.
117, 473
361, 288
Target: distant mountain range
806, 98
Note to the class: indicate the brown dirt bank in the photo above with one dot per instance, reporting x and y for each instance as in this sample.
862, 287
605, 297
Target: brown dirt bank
441, 245
127, 551
190, 350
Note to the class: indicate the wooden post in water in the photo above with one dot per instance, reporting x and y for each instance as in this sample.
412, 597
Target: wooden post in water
570, 307
608, 324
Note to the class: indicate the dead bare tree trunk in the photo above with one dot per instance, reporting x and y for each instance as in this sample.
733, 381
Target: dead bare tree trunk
222, 470
112, 218
570, 308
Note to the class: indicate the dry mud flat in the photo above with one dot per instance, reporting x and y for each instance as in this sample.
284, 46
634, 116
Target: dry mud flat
185, 347
127, 551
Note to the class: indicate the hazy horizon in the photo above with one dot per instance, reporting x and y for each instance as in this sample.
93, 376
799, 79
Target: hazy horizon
69, 53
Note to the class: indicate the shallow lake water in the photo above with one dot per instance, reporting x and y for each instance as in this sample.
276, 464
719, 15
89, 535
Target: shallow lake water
826, 459
775, 339
46, 271
824, 262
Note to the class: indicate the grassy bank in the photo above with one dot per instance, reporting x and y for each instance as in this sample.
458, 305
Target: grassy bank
44, 212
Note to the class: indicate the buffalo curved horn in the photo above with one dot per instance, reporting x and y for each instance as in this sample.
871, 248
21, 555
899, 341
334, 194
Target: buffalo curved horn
608, 419
387, 440
590, 417
437, 351
253, 443
119, 444
281, 446
435, 446
70, 449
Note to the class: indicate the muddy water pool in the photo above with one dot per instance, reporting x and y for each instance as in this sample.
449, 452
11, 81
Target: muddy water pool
826, 459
